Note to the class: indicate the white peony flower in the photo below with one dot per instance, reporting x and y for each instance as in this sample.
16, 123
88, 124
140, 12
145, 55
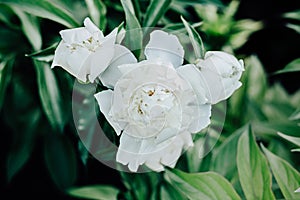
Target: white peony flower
218, 74
153, 108
84, 52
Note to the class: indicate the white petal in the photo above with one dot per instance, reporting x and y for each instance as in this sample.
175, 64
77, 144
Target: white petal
112, 35
298, 190
60, 55
165, 48
100, 60
155, 164
201, 112
172, 154
112, 74
187, 139
202, 120
191, 74
223, 57
137, 151
104, 100
128, 152
220, 74
169, 155
76, 60
75, 35
125, 68
165, 135
92, 28
214, 86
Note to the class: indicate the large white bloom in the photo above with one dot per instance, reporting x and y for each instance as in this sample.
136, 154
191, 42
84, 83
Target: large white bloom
152, 106
84, 52
218, 73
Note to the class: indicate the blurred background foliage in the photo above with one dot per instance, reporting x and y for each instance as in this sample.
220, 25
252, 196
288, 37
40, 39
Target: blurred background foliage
41, 154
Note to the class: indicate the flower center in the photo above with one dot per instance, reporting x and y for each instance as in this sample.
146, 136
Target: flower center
234, 71
150, 108
91, 44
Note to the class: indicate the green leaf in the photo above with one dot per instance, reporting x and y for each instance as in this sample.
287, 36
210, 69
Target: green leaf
197, 2
295, 27
286, 176
195, 39
5, 77
168, 192
293, 15
295, 115
195, 155
208, 185
198, 158
50, 95
60, 159
10, 40
140, 185
23, 143
256, 79
293, 66
155, 11
223, 156
99, 192
134, 34
253, 169
179, 27
45, 9
44, 55
241, 30
97, 11
137, 9
279, 147
271, 128
295, 140
31, 28
6, 16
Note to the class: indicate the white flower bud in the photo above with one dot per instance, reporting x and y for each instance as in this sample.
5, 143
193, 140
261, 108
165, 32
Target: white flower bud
219, 73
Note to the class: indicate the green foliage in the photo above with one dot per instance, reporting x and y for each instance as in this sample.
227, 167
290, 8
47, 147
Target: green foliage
135, 35
155, 11
286, 176
5, 77
295, 140
293, 66
195, 39
294, 16
253, 170
30, 27
50, 95
97, 10
208, 185
60, 160
221, 28
22, 146
225, 153
97, 192
44, 9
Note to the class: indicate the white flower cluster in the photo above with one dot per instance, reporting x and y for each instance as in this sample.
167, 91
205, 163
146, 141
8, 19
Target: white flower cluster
155, 104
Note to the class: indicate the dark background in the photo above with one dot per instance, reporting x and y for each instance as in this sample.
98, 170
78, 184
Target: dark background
275, 45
